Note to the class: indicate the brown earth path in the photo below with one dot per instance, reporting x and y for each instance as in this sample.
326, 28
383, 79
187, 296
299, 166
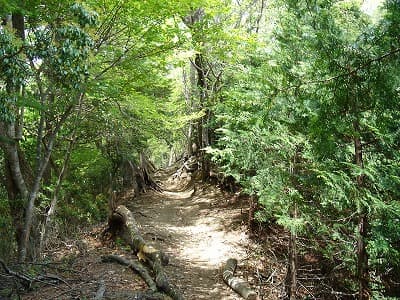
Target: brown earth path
197, 225
199, 230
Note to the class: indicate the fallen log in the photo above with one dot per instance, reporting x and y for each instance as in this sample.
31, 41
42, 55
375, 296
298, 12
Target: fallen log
140, 295
100, 292
122, 223
137, 267
238, 285
150, 296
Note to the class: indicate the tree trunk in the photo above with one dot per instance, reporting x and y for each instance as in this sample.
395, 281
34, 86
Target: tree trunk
16, 172
291, 279
251, 219
49, 215
188, 85
362, 258
364, 292
202, 129
29, 212
171, 156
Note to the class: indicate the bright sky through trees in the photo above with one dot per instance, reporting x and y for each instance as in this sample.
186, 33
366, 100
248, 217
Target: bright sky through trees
370, 6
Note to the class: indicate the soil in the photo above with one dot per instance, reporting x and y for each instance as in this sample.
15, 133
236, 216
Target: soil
196, 224
199, 231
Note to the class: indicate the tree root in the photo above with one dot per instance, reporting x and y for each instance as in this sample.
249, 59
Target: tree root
27, 281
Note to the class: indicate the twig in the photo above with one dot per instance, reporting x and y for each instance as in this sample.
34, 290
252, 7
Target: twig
26, 280
309, 293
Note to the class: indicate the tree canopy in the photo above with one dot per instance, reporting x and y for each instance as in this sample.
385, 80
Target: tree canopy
297, 101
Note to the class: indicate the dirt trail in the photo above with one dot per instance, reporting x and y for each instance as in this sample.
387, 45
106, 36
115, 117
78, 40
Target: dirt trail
198, 227
198, 230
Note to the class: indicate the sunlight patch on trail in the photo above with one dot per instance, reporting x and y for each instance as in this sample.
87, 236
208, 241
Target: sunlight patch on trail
208, 245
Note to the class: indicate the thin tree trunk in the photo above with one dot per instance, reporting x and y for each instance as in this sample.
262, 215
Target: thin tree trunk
49, 215
291, 280
260, 16
42, 165
31, 204
12, 155
292, 268
187, 84
171, 156
362, 258
364, 292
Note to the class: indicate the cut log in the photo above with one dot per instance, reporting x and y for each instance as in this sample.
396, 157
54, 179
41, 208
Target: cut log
123, 224
238, 285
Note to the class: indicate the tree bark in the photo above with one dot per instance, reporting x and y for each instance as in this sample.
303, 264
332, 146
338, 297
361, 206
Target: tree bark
238, 285
291, 279
252, 209
292, 268
42, 163
364, 292
187, 89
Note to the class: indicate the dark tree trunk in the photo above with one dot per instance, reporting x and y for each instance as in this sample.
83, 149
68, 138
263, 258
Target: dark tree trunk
202, 129
18, 24
17, 170
291, 276
291, 280
363, 224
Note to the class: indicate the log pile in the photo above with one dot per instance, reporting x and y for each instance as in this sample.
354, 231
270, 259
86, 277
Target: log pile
122, 223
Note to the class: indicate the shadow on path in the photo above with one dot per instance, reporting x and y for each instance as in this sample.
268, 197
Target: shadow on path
199, 233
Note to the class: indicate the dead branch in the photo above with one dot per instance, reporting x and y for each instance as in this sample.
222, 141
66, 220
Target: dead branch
25, 280
135, 266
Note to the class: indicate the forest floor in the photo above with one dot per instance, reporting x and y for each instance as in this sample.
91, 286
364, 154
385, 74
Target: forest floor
196, 224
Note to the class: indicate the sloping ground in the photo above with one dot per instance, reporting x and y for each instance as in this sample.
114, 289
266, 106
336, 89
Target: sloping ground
197, 225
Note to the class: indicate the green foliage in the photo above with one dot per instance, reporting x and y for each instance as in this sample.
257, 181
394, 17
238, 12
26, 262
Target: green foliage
84, 203
7, 243
289, 122
291, 89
